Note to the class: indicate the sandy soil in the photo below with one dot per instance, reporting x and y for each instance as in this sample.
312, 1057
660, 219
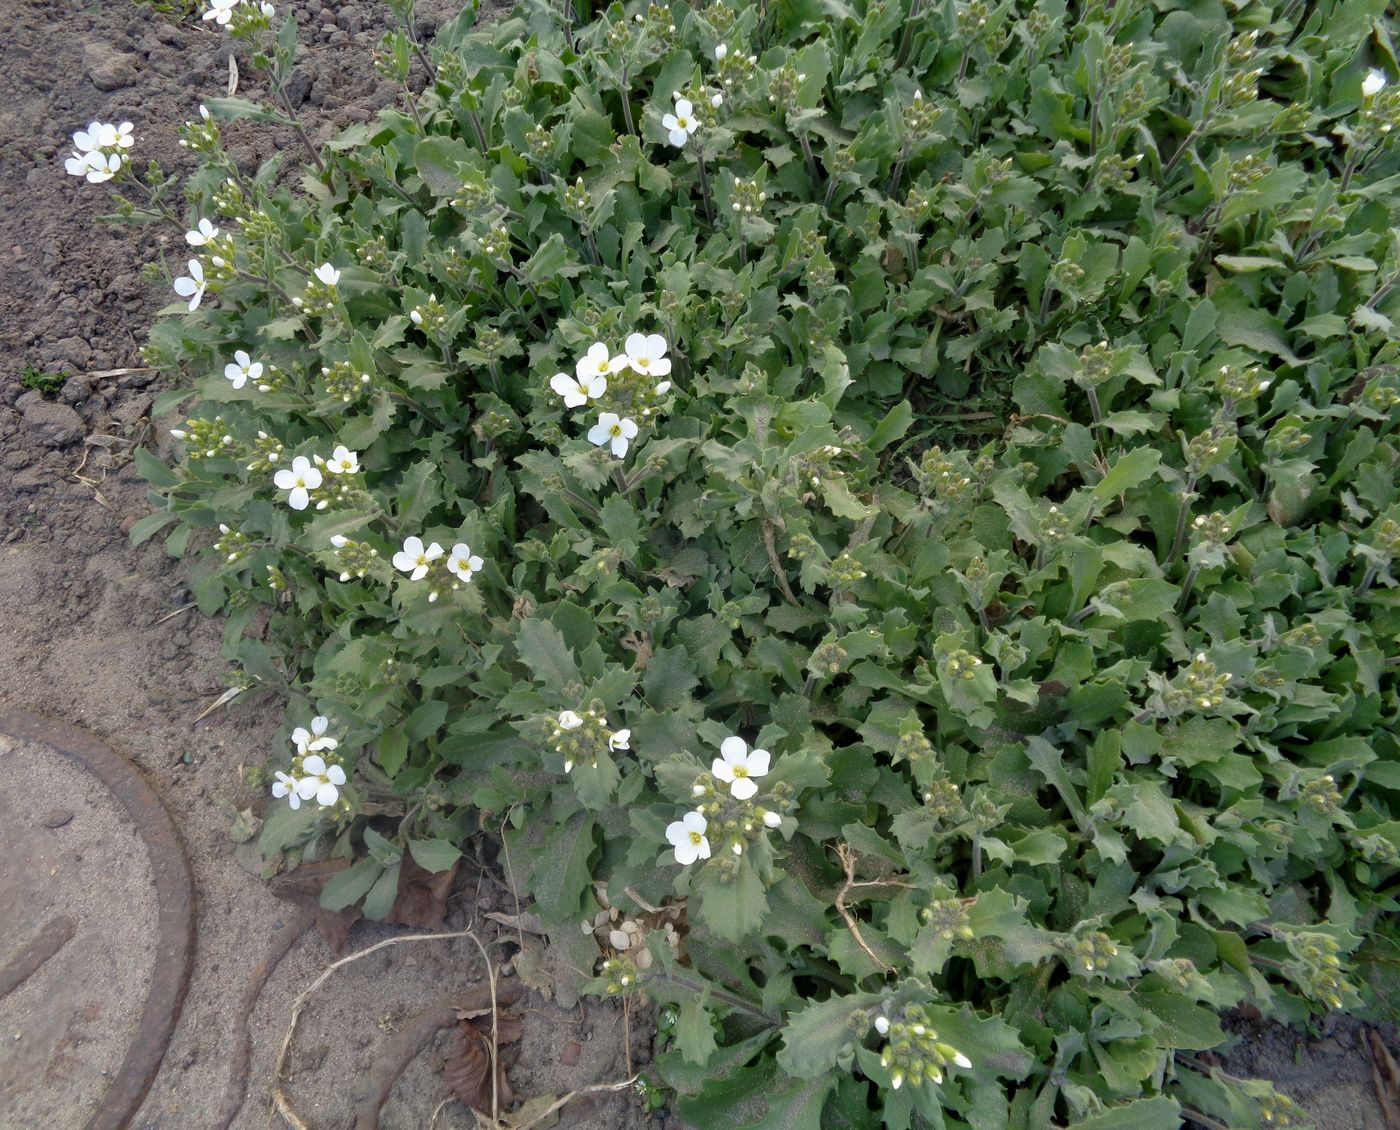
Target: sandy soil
86, 626
92, 630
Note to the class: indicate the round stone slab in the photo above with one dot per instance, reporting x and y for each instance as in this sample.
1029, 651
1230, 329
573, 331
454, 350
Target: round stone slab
97, 931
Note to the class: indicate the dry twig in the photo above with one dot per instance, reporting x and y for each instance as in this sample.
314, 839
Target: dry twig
848, 863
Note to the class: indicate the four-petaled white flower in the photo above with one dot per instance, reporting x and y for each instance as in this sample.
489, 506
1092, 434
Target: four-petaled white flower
738, 765
463, 563
286, 786
301, 478
414, 560
576, 393
314, 739
242, 369
96, 167
613, 429
687, 836
322, 781
597, 363
568, 720
680, 125
221, 11
328, 274
343, 461
646, 353
622, 739
102, 135
202, 233
191, 286
1373, 83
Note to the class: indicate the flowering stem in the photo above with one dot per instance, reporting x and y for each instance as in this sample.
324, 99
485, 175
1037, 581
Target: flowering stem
579, 500
624, 89
1369, 579
704, 187
295, 123
1179, 538
723, 995
1191, 575
813, 172
907, 39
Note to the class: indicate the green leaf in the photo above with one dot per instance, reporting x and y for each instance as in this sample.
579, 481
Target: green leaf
695, 1032
669, 679
815, 1036
426, 720
417, 493
393, 751
436, 160
542, 648
232, 108
347, 887
143, 529
561, 873
892, 427
153, 470
434, 855
1131, 470
733, 909
380, 899
1157, 1113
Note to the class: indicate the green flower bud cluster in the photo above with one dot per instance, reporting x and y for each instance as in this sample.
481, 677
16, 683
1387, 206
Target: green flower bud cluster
620, 974
232, 545
748, 197
942, 798
206, 439
1286, 440
201, 136
826, 660
912, 745
1095, 364
584, 737
913, 1051
1054, 527
267, 453
276, 579
961, 665
1379, 119
1380, 396
343, 382
1203, 685
1316, 968
803, 545
539, 146
949, 918
1249, 169
845, 570
1322, 795
1279, 1110
782, 86
495, 245
942, 475
355, 558
1087, 954
1241, 48
577, 202
1113, 171
476, 198
429, 316
1181, 973
1304, 635
1386, 540
1214, 528
1066, 273
1241, 384
317, 301
735, 824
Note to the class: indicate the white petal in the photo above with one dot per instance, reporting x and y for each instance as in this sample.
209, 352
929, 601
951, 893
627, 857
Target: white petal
336, 775
413, 545
668, 122
678, 137
598, 434
284, 479
619, 446
684, 109
629, 428
742, 788
299, 499
759, 762
327, 795
722, 770
404, 561
733, 750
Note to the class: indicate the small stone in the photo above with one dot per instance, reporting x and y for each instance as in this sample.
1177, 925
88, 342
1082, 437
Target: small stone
109, 69
57, 817
52, 424
569, 1057
74, 391
127, 523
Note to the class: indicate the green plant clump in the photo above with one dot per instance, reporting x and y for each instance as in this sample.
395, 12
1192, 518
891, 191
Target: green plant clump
986, 411
40, 380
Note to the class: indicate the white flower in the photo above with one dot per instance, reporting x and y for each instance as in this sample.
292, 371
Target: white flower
204, 232
286, 786
414, 559
962, 1060
612, 429
576, 393
717, 100
191, 287
96, 167
267, 9
772, 819
322, 781
301, 478
462, 563
620, 740
687, 836
597, 363
680, 125
738, 765
646, 353
328, 274
221, 11
343, 461
568, 720
309, 741
882, 1025
1372, 84
663, 388
242, 368
720, 52
86, 140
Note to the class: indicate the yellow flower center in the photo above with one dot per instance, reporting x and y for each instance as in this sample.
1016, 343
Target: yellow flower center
642, 362
696, 837
615, 430
422, 559
683, 123
740, 771
301, 482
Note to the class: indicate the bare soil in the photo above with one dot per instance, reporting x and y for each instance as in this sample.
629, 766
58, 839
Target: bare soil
101, 634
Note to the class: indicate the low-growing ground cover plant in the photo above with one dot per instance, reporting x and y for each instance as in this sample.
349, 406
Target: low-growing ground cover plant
898, 499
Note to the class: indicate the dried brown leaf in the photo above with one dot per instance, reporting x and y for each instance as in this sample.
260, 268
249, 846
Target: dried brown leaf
422, 896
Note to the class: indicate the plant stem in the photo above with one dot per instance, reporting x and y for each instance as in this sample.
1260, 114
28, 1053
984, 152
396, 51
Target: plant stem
907, 39
705, 187
1179, 538
1369, 579
1186, 588
625, 90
